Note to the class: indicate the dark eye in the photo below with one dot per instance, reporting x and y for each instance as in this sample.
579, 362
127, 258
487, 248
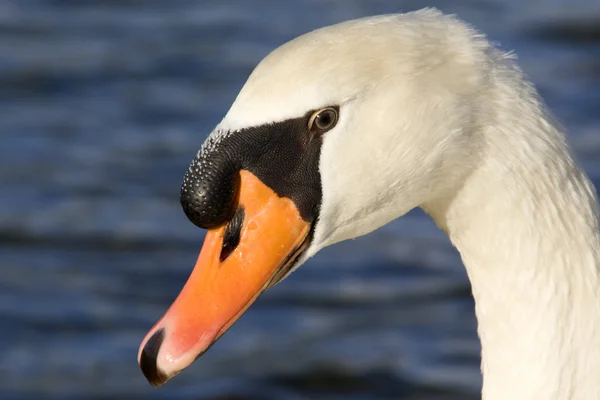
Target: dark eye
323, 120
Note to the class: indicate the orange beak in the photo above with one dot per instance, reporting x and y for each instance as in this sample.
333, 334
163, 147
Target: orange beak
226, 279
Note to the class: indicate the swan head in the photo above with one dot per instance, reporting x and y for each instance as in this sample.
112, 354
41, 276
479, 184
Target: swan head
333, 135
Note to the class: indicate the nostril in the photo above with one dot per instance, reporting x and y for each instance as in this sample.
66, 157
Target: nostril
148, 358
231, 237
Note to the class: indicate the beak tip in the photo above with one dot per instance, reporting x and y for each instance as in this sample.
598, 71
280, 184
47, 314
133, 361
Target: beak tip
148, 360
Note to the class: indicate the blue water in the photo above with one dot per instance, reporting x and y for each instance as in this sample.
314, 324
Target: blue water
102, 107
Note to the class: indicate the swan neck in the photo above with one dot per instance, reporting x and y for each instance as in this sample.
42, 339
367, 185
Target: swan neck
526, 226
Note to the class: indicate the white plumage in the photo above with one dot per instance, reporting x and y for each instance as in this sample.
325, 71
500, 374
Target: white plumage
433, 116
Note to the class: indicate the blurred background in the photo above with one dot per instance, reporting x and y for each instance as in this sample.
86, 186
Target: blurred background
103, 104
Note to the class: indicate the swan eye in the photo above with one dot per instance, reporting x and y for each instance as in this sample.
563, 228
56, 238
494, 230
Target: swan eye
323, 120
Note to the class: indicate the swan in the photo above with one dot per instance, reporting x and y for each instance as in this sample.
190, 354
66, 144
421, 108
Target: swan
349, 127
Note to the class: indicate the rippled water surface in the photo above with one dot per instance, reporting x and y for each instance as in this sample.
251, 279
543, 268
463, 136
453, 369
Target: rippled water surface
102, 107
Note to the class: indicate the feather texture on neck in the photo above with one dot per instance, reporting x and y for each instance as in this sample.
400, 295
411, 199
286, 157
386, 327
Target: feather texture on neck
526, 224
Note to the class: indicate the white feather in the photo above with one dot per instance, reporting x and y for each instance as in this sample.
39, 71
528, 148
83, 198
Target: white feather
433, 116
